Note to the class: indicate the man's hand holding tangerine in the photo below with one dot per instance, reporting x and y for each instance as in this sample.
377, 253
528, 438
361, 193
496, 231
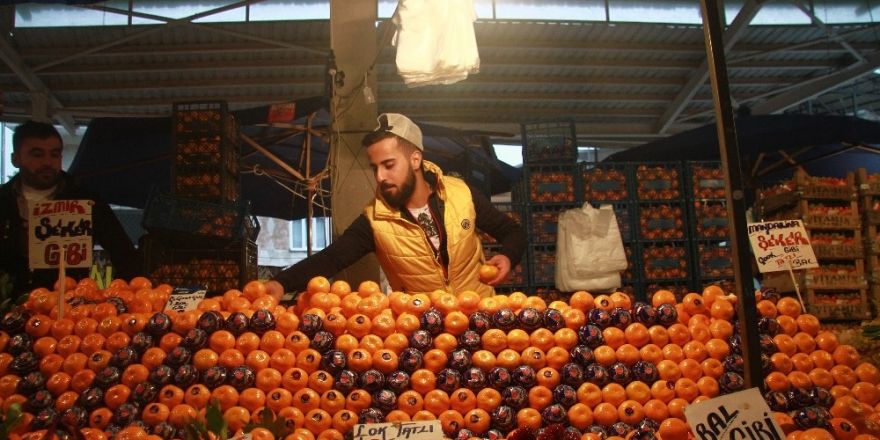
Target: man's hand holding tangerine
495, 270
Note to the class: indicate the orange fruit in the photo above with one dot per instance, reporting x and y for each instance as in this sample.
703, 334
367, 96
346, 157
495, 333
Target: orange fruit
821, 378
637, 334
614, 337
226, 396
776, 381
808, 324
495, 340
721, 329
517, 339
451, 421
846, 355
574, 318
614, 394
488, 399
651, 353
605, 414
247, 342
557, 357
463, 400
410, 402
630, 411
605, 355
135, 374
116, 395
423, 381
308, 359
533, 357
628, 354
531, 418
673, 429
307, 399
662, 296
539, 397
788, 306
50, 364
436, 401
781, 363
656, 410
477, 420
508, 358
659, 336
579, 415
231, 358
445, 342
251, 399
468, 301
320, 381
294, 379
589, 394
582, 300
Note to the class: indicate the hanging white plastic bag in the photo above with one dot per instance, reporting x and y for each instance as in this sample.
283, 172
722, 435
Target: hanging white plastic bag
435, 41
589, 249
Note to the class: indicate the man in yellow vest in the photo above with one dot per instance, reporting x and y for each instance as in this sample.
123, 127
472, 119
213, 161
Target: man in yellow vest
422, 225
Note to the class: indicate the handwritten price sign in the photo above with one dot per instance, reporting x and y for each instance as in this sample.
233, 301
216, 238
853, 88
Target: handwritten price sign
421, 430
742, 415
183, 299
778, 245
60, 228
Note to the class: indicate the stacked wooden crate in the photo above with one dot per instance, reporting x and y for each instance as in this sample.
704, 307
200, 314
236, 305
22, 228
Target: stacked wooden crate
838, 289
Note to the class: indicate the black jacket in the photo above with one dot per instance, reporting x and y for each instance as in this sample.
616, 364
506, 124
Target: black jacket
357, 241
107, 231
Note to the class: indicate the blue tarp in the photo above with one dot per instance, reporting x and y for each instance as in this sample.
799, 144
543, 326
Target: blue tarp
832, 145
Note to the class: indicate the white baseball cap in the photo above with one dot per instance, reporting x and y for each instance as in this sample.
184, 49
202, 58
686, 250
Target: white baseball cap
401, 126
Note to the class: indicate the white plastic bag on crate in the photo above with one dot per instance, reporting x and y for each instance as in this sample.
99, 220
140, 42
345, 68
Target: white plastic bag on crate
589, 249
435, 41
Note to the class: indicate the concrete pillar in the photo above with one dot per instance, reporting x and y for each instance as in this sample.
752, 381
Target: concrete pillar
353, 39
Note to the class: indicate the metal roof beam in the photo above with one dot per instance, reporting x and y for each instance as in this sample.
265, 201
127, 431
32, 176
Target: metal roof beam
386, 80
321, 47
803, 46
142, 33
269, 41
828, 31
811, 88
488, 61
698, 78
41, 97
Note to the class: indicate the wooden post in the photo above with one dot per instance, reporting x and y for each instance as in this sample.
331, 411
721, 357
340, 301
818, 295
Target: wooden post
353, 40
736, 211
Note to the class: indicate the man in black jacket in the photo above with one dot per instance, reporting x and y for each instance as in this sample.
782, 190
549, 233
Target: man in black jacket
36, 152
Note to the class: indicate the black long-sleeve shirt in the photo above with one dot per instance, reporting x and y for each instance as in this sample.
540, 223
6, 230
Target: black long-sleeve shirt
108, 232
357, 241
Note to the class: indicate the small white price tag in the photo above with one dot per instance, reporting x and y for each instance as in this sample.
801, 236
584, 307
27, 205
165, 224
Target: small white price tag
741, 415
183, 299
420, 430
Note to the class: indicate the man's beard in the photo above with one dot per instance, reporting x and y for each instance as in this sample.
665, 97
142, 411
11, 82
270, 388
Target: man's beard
43, 178
398, 200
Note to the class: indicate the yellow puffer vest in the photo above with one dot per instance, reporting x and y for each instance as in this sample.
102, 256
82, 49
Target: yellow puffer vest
406, 256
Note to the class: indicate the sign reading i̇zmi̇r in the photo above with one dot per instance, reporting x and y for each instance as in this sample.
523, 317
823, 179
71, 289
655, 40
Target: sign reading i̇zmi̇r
781, 245
60, 229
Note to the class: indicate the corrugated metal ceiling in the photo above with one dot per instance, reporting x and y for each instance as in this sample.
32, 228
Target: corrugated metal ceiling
619, 81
